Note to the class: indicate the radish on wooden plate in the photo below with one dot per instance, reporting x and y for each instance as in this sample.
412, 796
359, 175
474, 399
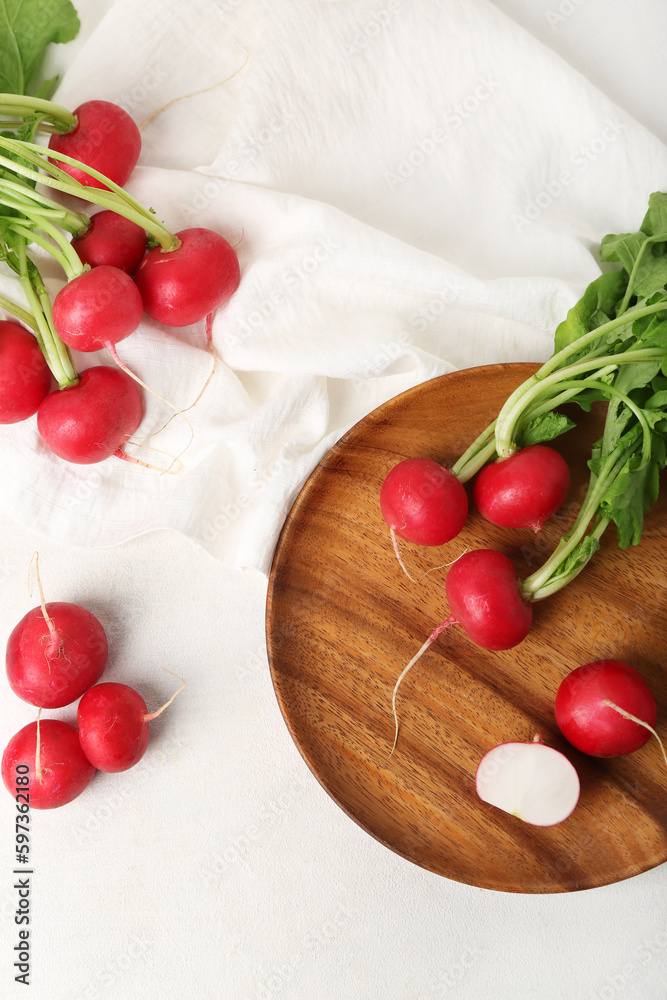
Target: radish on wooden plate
531, 781
486, 601
606, 709
524, 490
423, 502
58, 770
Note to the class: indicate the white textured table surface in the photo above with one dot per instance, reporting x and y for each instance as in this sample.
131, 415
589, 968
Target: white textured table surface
218, 867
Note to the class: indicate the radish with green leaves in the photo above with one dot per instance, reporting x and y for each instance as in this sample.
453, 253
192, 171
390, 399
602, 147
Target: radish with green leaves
611, 347
97, 309
103, 136
92, 419
523, 490
111, 239
423, 502
183, 285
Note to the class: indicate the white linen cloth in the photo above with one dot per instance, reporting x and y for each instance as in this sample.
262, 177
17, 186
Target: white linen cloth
413, 187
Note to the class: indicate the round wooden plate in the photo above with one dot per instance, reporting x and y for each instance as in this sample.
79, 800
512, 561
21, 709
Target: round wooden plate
343, 620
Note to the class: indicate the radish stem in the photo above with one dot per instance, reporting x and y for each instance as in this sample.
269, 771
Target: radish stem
640, 722
154, 715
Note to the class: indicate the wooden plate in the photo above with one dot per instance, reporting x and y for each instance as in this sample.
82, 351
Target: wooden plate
343, 620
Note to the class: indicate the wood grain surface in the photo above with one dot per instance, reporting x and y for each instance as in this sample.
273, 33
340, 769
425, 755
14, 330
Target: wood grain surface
342, 620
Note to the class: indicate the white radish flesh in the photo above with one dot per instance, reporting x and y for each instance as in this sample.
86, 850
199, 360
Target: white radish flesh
532, 781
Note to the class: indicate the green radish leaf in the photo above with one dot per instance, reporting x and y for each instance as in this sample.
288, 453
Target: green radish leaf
657, 401
27, 27
642, 258
600, 297
655, 220
46, 89
642, 254
628, 498
623, 248
544, 428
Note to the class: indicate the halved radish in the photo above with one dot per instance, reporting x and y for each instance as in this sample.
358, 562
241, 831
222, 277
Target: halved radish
532, 781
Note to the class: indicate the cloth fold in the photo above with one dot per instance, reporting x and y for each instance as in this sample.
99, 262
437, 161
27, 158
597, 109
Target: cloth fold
411, 189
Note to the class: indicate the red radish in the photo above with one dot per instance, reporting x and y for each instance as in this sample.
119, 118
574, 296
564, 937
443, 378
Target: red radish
484, 597
423, 502
531, 781
592, 707
58, 768
524, 490
486, 601
98, 308
55, 653
113, 722
105, 138
111, 239
91, 420
183, 286
113, 725
25, 377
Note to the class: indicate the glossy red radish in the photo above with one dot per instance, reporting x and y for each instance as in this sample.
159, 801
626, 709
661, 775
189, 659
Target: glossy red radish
531, 781
485, 599
97, 309
183, 286
57, 768
114, 722
423, 502
605, 708
524, 490
55, 653
25, 377
105, 137
90, 420
113, 240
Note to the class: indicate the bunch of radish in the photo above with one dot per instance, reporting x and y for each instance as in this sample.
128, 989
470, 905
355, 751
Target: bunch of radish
118, 263
55, 656
611, 347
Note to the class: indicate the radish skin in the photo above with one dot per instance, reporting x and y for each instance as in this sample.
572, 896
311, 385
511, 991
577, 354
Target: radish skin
524, 490
113, 240
105, 137
89, 421
58, 769
592, 704
182, 286
55, 653
25, 377
114, 722
423, 502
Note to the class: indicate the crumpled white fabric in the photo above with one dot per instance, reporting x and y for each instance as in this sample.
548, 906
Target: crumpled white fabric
412, 187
